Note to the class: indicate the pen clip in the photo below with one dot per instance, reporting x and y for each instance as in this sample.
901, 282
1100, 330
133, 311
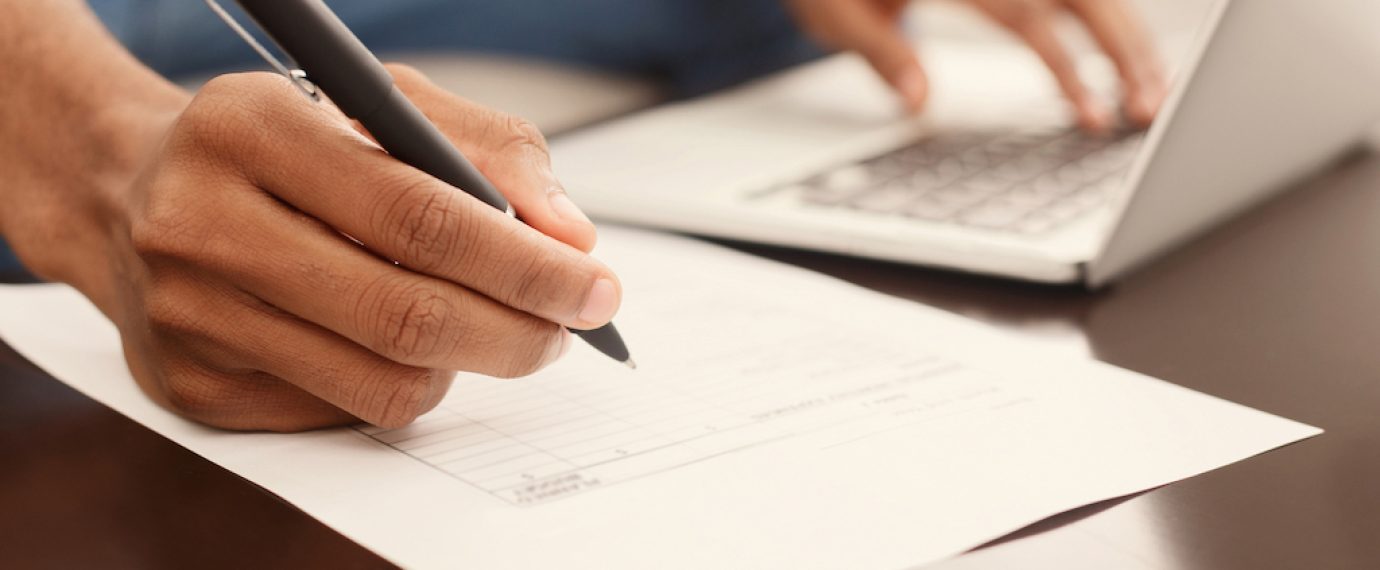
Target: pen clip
298, 77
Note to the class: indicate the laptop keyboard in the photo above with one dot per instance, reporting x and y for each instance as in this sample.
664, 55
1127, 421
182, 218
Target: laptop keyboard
1029, 182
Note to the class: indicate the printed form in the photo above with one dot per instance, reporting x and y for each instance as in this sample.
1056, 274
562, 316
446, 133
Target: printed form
779, 419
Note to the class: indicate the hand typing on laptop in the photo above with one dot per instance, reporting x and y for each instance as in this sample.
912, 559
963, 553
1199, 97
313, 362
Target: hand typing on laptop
871, 28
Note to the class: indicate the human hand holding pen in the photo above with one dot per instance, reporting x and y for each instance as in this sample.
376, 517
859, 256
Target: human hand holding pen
872, 28
247, 307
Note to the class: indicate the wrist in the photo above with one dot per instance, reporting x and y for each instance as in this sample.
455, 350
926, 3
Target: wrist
82, 117
66, 193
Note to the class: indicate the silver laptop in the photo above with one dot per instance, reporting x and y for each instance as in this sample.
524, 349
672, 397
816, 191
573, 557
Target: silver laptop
991, 179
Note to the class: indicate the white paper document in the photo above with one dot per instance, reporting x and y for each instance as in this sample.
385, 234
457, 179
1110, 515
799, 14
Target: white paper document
780, 419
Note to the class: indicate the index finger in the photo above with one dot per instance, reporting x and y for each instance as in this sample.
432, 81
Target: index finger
324, 168
1037, 29
872, 29
514, 156
1121, 34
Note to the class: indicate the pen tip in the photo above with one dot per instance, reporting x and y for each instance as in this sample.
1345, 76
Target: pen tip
631, 364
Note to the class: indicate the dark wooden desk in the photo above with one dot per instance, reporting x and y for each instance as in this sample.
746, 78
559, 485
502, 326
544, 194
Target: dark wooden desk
1279, 310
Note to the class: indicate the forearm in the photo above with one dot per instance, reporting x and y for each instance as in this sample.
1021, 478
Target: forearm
78, 117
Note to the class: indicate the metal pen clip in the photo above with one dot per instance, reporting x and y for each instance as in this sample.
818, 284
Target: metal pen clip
297, 76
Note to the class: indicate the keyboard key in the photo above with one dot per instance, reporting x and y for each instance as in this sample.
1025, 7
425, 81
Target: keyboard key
1106, 161
958, 196
1073, 174
950, 169
920, 154
1049, 185
927, 208
888, 199
993, 215
988, 185
1003, 149
982, 188
1035, 224
1028, 197
954, 143
1058, 149
837, 186
940, 175
1088, 197
847, 179
1023, 168
1064, 210
890, 166
975, 160
1111, 185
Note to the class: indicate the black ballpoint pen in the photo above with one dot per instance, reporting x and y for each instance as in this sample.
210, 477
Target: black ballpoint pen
357, 82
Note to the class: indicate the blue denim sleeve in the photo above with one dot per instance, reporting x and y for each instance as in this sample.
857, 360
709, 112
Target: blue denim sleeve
8, 262
692, 45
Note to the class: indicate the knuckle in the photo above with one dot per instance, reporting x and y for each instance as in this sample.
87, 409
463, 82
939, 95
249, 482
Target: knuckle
398, 398
207, 125
159, 232
166, 227
429, 226
228, 113
531, 350
523, 135
409, 322
176, 224
428, 222
210, 119
169, 309
196, 395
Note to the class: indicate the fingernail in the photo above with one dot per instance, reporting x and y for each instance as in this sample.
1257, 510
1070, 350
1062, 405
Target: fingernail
565, 208
600, 303
1148, 107
1098, 117
912, 87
